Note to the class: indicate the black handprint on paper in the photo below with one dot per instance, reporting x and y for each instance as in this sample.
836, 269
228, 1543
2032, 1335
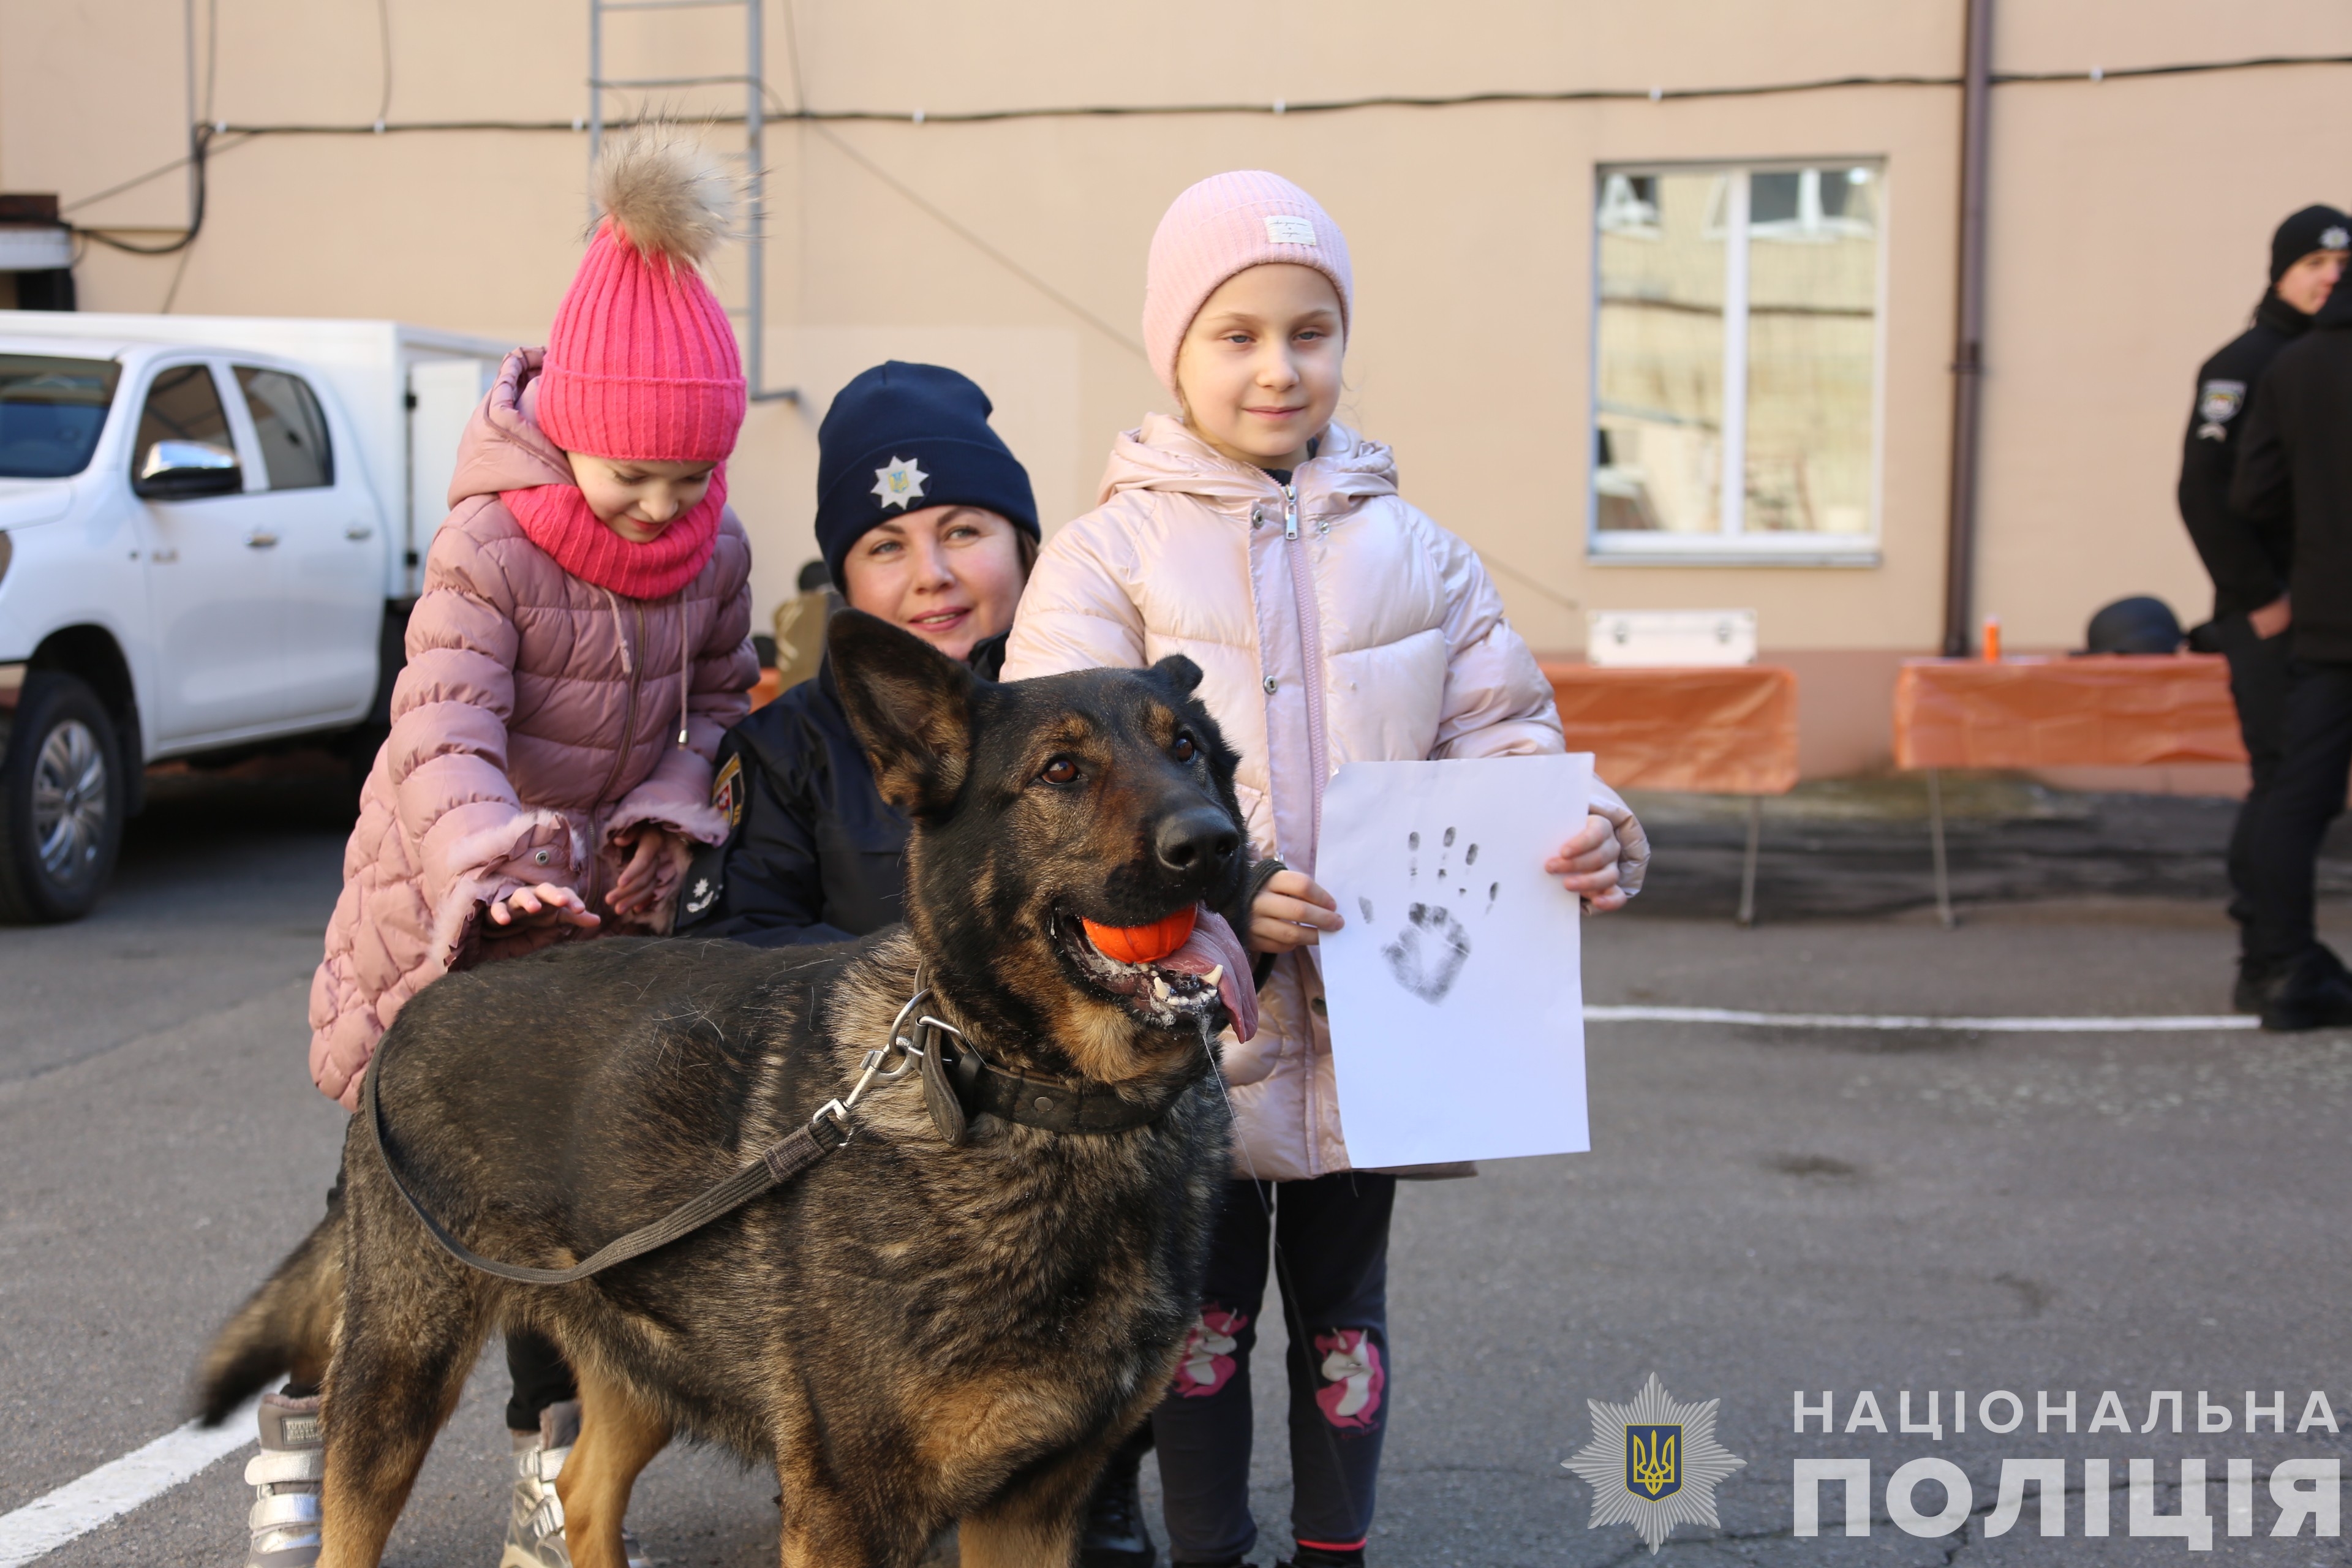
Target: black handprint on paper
1428, 954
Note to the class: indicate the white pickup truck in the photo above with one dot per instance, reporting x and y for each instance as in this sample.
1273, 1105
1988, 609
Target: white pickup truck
211, 531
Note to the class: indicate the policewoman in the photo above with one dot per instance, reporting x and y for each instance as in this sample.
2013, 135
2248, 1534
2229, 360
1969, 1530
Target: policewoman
926, 519
2250, 561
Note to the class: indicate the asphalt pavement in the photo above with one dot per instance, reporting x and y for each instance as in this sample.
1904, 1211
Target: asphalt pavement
1764, 1209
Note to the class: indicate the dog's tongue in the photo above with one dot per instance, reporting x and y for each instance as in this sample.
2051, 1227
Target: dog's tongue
1212, 945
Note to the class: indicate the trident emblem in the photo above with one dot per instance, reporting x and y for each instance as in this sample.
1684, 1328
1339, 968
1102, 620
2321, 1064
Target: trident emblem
1653, 1457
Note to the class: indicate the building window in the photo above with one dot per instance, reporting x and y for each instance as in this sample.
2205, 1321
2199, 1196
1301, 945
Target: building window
1735, 362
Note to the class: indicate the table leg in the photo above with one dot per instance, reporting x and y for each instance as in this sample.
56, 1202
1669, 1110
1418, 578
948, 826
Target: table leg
1748, 867
1935, 836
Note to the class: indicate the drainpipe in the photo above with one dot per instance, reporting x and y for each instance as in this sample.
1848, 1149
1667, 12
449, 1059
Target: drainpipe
1967, 355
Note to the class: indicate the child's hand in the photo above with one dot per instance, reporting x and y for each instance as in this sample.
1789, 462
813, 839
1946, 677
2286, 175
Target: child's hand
1290, 910
546, 904
634, 893
1587, 865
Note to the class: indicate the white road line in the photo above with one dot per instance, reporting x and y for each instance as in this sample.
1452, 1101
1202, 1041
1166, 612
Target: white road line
2189, 1023
114, 1488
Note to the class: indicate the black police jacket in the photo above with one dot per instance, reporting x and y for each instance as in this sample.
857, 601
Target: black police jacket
813, 852
2294, 469
2248, 561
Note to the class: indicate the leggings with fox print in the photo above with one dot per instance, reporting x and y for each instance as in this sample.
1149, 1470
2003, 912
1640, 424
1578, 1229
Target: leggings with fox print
1328, 1239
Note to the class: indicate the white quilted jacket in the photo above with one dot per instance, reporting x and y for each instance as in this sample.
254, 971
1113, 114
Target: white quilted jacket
1332, 623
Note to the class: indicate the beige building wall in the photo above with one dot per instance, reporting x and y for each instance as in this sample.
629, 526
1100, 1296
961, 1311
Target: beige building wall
2129, 226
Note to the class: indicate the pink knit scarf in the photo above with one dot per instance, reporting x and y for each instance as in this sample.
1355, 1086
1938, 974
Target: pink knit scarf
558, 520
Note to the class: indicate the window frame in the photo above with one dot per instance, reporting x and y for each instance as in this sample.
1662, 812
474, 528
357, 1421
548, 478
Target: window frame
231, 396
238, 369
106, 410
1733, 546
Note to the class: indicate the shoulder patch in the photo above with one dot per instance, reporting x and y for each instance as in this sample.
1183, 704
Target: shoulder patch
2218, 403
727, 793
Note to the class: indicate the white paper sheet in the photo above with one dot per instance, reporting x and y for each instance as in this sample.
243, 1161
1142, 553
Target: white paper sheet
1456, 992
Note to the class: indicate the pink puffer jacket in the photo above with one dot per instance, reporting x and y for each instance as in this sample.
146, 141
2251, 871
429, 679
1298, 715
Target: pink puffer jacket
1376, 635
538, 717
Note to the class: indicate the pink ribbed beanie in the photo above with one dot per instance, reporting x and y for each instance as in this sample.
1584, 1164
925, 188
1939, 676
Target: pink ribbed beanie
1224, 224
642, 361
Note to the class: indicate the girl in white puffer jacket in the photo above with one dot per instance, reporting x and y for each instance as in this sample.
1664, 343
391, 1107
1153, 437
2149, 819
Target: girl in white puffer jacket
1333, 623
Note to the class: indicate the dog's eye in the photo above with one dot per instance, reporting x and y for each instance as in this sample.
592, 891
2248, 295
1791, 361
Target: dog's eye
1184, 751
1060, 770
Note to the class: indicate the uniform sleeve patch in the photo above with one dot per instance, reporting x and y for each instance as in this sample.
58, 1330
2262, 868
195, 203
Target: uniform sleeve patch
727, 793
2218, 403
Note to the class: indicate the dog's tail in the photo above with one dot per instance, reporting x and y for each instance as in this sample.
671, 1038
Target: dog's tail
287, 1326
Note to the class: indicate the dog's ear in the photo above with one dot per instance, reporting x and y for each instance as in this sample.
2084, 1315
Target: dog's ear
910, 705
1179, 675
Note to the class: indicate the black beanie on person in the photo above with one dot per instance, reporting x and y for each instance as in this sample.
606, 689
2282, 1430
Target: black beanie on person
2312, 229
900, 438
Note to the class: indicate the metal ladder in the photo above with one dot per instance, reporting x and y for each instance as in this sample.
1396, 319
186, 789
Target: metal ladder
753, 314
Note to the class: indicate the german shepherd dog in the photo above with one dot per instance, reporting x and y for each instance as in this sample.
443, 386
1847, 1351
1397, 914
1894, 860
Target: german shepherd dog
915, 1331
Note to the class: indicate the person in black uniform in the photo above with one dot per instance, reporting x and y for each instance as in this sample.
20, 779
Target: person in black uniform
926, 520
2294, 472
2248, 562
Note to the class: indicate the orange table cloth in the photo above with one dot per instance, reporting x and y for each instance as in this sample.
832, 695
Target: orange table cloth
1712, 730
2107, 711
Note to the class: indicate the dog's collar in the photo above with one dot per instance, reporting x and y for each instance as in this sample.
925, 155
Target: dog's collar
958, 1084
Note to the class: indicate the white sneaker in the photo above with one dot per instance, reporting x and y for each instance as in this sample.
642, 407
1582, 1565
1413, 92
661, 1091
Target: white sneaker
535, 1527
285, 1478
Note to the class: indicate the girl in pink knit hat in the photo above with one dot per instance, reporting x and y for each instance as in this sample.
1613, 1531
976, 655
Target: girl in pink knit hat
581, 645
1333, 622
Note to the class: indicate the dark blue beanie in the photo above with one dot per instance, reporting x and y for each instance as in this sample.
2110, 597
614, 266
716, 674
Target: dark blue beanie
901, 437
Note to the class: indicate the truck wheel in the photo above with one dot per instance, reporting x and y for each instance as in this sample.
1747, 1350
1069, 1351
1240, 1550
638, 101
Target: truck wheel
61, 800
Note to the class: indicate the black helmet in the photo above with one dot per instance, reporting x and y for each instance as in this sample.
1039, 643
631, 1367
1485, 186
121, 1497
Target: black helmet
2138, 625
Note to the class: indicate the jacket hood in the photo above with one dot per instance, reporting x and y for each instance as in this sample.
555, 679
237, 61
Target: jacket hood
503, 448
1163, 455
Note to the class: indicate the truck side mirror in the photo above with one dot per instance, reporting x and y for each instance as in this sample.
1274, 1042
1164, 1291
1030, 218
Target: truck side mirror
183, 470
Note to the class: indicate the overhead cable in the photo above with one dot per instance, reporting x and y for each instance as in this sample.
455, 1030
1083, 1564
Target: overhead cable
1284, 107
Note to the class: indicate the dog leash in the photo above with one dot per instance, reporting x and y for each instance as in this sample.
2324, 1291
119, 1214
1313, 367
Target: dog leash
829, 1130
1016, 1097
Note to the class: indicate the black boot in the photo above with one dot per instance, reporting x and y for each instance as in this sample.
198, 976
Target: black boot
2253, 979
2256, 976
1114, 1535
2311, 992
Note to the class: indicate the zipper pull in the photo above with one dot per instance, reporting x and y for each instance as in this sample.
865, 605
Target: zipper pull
1290, 513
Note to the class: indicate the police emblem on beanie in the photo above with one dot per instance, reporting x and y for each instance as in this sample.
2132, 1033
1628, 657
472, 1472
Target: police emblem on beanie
899, 482
2335, 238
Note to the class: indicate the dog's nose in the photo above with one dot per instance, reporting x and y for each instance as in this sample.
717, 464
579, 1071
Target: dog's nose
1199, 840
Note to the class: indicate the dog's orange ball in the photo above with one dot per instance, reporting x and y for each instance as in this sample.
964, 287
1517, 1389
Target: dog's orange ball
1142, 945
